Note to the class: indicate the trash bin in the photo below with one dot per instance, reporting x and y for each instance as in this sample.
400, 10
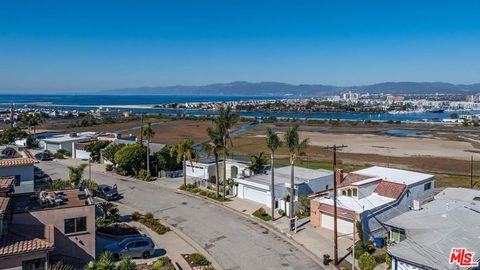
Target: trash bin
326, 259
379, 242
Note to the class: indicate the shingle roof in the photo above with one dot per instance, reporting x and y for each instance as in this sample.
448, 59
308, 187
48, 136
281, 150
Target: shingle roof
341, 212
14, 243
389, 189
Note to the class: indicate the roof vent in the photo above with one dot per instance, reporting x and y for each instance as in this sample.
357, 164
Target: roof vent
73, 135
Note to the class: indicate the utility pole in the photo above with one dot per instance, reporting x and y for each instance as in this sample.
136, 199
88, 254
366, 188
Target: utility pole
12, 111
89, 168
471, 172
353, 246
141, 131
334, 148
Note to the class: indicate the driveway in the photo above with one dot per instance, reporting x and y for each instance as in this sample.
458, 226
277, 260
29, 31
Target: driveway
233, 240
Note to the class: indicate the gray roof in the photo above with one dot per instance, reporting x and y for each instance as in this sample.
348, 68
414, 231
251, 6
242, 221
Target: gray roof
452, 220
282, 175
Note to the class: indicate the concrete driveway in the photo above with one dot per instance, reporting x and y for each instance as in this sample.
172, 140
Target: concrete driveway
233, 240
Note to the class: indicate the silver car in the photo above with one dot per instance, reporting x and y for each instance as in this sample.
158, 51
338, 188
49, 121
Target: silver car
134, 247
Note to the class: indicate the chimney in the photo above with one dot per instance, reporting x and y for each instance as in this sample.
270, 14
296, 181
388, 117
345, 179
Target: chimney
338, 176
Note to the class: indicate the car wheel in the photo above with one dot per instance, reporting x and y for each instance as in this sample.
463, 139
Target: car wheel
116, 257
146, 255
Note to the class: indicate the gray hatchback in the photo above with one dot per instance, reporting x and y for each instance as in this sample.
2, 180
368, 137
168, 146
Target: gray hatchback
133, 247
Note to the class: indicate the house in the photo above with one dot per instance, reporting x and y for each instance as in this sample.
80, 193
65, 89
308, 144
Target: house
18, 162
65, 217
257, 187
66, 141
204, 168
424, 237
371, 196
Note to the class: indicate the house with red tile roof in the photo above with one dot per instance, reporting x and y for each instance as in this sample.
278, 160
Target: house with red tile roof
19, 163
40, 229
370, 197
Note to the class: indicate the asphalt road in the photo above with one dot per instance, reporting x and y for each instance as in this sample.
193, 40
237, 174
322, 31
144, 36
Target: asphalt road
233, 240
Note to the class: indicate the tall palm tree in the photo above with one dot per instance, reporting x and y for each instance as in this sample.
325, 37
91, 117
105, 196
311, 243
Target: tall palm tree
36, 120
214, 147
184, 151
257, 163
296, 147
273, 143
224, 123
148, 133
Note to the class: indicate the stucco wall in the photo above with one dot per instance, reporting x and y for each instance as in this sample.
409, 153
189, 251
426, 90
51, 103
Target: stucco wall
76, 247
26, 176
15, 262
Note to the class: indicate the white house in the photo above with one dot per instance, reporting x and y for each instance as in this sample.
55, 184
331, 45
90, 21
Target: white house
257, 188
371, 196
424, 238
19, 163
204, 168
66, 141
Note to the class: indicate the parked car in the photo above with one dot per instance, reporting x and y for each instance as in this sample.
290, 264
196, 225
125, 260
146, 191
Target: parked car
107, 192
43, 156
133, 247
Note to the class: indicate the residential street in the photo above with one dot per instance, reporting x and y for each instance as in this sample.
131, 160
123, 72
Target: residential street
233, 240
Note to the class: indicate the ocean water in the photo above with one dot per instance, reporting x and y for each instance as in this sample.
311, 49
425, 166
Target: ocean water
93, 102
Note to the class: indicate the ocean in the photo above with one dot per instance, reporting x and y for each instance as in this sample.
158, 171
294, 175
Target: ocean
93, 102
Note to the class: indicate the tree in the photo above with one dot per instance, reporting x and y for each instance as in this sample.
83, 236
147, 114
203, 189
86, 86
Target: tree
148, 133
273, 143
75, 173
454, 115
10, 135
214, 147
296, 147
257, 163
165, 161
130, 158
110, 151
184, 151
109, 211
95, 149
126, 263
105, 262
224, 122
367, 262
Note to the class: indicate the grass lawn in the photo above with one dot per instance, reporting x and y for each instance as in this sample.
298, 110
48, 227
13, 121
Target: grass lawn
265, 217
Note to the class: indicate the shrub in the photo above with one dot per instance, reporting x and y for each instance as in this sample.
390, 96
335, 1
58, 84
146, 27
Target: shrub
361, 248
281, 212
161, 229
64, 152
198, 259
148, 217
379, 259
203, 193
109, 167
145, 175
388, 261
136, 216
367, 262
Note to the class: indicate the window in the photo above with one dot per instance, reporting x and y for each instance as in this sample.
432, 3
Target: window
354, 192
35, 264
74, 225
349, 193
326, 187
427, 186
131, 245
344, 193
397, 235
142, 244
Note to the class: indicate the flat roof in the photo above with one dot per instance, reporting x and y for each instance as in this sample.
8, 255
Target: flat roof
27, 202
358, 205
68, 138
282, 175
450, 221
395, 175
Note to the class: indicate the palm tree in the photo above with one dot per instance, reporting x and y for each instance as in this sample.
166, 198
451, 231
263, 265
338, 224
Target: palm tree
36, 120
224, 122
296, 147
148, 133
273, 143
184, 151
257, 163
109, 211
75, 173
214, 147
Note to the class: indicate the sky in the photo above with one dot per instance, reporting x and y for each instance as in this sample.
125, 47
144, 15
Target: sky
93, 45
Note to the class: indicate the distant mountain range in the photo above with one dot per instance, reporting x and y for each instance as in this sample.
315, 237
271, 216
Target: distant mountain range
306, 90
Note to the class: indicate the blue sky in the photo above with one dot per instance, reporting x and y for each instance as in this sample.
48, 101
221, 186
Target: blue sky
91, 45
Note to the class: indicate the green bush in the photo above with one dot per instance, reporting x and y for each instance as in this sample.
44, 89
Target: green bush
64, 152
361, 248
198, 259
145, 175
367, 262
109, 167
281, 212
203, 193
379, 259
148, 217
161, 229
136, 216
388, 261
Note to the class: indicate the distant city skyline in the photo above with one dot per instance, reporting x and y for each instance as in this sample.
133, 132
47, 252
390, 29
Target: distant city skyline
88, 46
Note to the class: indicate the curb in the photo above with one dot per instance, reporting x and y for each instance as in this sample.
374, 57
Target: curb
185, 238
265, 225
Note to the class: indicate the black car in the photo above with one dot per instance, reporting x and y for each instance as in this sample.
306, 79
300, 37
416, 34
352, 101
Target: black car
107, 192
43, 156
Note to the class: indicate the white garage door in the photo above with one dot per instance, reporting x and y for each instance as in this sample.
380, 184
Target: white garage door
196, 172
255, 195
53, 146
343, 226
